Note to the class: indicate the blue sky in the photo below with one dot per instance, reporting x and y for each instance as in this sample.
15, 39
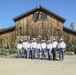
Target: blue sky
12, 8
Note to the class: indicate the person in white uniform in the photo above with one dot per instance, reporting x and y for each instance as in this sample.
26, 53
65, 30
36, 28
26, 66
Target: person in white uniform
25, 48
31, 41
33, 46
54, 47
61, 47
43, 48
19, 49
28, 49
49, 49
38, 48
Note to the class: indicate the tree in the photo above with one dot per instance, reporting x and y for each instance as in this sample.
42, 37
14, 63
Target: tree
72, 25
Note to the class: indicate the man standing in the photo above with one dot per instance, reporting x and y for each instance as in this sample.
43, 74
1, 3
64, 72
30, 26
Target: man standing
28, 49
49, 49
38, 48
25, 48
54, 46
61, 47
19, 47
31, 41
43, 48
34, 44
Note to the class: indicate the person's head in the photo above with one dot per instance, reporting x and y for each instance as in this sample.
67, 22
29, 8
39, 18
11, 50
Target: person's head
48, 41
60, 40
54, 39
43, 41
31, 41
34, 40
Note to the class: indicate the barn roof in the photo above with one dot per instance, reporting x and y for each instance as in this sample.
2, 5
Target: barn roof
70, 30
36, 9
7, 29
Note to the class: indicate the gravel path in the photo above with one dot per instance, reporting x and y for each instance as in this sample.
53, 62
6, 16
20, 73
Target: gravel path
14, 66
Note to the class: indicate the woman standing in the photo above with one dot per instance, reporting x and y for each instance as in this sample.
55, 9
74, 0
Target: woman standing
19, 47
49, 49
28, 49
43, 48
38, 48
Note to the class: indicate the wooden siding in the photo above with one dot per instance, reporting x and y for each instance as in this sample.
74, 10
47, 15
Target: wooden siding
25, 25
44, 28
69, 35
10, 34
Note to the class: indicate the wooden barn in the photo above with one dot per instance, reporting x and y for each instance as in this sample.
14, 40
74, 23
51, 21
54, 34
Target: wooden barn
38, 23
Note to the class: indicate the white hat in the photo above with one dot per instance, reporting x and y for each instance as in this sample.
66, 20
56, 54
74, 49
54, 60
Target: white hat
49, 41
43, 40
61, 39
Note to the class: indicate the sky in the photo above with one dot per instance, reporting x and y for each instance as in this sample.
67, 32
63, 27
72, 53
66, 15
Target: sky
10, 9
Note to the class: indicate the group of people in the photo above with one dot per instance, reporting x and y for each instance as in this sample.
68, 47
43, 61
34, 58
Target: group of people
32, 49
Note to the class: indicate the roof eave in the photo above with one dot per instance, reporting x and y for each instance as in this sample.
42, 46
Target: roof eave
7, 29
18, 17
39, 7
69, 29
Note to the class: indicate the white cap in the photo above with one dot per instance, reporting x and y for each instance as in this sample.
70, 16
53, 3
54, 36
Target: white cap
43, 40
61, 39
49, 41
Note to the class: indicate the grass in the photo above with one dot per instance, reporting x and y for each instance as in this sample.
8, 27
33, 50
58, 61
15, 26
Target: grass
8, 56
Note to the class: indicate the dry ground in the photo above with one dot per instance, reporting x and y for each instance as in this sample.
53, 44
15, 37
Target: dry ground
14, 66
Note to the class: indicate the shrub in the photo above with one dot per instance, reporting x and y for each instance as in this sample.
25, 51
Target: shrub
71, 46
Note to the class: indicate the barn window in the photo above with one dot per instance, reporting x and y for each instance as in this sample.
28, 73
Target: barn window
43, 16
35, 16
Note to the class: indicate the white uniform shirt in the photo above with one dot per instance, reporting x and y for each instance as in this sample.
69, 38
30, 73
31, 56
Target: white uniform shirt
62, 45
25, 45
49, 46
43, 45
19, 46
31, 45
54, 44
28, 45
38, 46
34, 44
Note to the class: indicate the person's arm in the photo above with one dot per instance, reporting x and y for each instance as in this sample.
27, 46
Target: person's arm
64, 45
59, 46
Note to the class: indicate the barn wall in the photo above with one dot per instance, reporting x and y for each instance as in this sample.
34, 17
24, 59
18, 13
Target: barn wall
7, 36
69, 35
45, 28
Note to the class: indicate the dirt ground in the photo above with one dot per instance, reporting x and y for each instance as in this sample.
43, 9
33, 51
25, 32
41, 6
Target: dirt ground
14, 66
